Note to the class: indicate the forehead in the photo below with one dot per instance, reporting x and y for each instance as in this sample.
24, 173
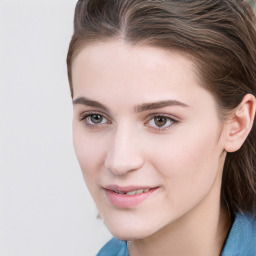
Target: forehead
139, 73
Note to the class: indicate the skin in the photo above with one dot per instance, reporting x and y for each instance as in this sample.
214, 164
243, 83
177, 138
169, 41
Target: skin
183, 159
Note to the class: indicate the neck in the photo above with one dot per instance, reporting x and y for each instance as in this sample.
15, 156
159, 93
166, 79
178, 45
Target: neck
198, 233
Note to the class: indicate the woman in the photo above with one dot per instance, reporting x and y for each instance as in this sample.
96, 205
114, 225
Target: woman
164, 105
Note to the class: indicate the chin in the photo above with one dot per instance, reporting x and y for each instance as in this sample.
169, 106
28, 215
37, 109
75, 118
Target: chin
130, 231
129, 234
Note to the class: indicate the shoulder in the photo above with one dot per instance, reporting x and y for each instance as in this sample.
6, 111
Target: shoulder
242, 236
114, 247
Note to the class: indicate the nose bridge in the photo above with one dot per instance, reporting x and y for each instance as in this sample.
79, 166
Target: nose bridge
124, 154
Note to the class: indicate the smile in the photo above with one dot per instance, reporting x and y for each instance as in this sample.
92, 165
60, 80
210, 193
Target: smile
132, 193
128, 197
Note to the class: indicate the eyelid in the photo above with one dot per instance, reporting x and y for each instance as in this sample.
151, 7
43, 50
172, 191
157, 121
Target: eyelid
86, 114
174, 120
83, 115
173, 117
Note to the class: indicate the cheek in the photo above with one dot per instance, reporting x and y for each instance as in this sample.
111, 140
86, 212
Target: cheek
189, 164
90, 153
186, 147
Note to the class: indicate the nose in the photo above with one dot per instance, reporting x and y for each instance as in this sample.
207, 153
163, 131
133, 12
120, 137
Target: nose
124, 154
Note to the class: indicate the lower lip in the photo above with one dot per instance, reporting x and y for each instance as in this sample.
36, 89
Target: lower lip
127, 201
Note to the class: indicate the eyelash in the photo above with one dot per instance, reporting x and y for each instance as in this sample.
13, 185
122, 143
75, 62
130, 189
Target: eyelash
168, 119
86, 118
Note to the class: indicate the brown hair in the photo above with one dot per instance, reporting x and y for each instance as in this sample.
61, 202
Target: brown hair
219, 35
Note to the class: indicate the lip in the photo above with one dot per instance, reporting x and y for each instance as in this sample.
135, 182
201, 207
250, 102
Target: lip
124, 200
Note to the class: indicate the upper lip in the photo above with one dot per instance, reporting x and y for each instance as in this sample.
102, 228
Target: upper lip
126, 188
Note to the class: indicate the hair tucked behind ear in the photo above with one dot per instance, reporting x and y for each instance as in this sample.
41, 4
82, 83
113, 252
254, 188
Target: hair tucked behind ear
239, 188
219, 35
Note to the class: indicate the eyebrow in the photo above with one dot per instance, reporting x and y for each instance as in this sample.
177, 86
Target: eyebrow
159, 104
88, 102
137, 108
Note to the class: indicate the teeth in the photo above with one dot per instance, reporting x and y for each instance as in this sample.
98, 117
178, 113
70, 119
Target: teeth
140, 191
119, 192
134, 192
131, 193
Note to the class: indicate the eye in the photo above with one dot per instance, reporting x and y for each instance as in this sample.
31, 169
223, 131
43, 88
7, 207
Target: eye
94, 119
161, 122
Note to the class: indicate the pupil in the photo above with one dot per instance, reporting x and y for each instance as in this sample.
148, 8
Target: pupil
96, 118
160, 121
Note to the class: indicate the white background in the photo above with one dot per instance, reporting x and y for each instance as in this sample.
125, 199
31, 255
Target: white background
45, 208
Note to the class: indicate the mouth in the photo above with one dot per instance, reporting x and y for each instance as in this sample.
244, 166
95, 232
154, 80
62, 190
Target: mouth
127, 197
133, 192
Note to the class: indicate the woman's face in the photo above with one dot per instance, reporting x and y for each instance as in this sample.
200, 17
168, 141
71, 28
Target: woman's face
147, 137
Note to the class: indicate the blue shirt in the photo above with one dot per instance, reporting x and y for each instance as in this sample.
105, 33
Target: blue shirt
241, 240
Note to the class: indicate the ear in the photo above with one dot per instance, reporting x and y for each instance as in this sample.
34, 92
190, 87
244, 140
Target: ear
240, 123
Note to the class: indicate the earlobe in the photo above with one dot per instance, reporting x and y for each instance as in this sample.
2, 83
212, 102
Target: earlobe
240, 123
